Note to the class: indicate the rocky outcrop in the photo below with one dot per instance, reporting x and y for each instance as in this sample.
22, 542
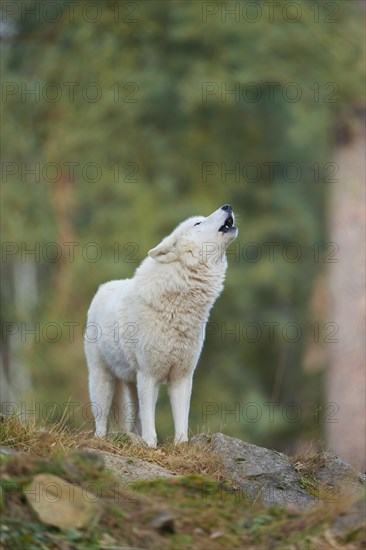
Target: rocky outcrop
129, 468
254, 473
261, 474
336, 475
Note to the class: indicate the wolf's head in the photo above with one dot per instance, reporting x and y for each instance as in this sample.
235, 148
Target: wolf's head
198, 240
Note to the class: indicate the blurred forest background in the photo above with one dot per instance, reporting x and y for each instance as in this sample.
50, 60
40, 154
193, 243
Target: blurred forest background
131, 127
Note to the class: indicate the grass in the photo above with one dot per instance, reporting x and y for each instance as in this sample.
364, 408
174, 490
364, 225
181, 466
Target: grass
207, 513
307, 467
36, 439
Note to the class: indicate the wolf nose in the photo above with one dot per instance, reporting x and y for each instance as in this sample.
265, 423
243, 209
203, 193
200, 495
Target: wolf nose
227, 208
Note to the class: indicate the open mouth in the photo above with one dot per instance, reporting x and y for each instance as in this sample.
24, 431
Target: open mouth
229, 223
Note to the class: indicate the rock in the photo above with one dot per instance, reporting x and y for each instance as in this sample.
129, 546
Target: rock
131, 469
163, 522
128, 437
91, 458
261, 474
81, 461
336, 475
62, 504
200, 439
136, 439
8, 451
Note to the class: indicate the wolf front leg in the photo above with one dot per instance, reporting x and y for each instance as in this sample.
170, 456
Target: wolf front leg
147, 389
180, 397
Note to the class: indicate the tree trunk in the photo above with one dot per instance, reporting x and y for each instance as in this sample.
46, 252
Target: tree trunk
346, 373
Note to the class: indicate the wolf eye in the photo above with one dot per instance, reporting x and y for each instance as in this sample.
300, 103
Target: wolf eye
196, 224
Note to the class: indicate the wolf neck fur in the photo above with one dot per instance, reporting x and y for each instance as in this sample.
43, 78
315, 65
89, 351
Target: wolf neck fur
196, 286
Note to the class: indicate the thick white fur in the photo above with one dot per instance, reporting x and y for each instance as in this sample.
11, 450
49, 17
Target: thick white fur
150, 329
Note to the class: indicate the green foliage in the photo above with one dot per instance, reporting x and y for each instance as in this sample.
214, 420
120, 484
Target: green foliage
150, 133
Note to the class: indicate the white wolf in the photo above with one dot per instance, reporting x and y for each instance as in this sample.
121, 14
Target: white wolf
150, 329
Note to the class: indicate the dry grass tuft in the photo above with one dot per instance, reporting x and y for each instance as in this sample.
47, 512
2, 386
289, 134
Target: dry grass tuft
308, 462
329, 512
36, 438
48, 441
327, 541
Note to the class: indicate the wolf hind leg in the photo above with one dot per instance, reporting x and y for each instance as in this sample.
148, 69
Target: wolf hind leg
101, 389
132, 422
124, 410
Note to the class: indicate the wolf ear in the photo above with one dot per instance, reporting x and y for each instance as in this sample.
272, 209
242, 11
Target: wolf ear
165, 252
